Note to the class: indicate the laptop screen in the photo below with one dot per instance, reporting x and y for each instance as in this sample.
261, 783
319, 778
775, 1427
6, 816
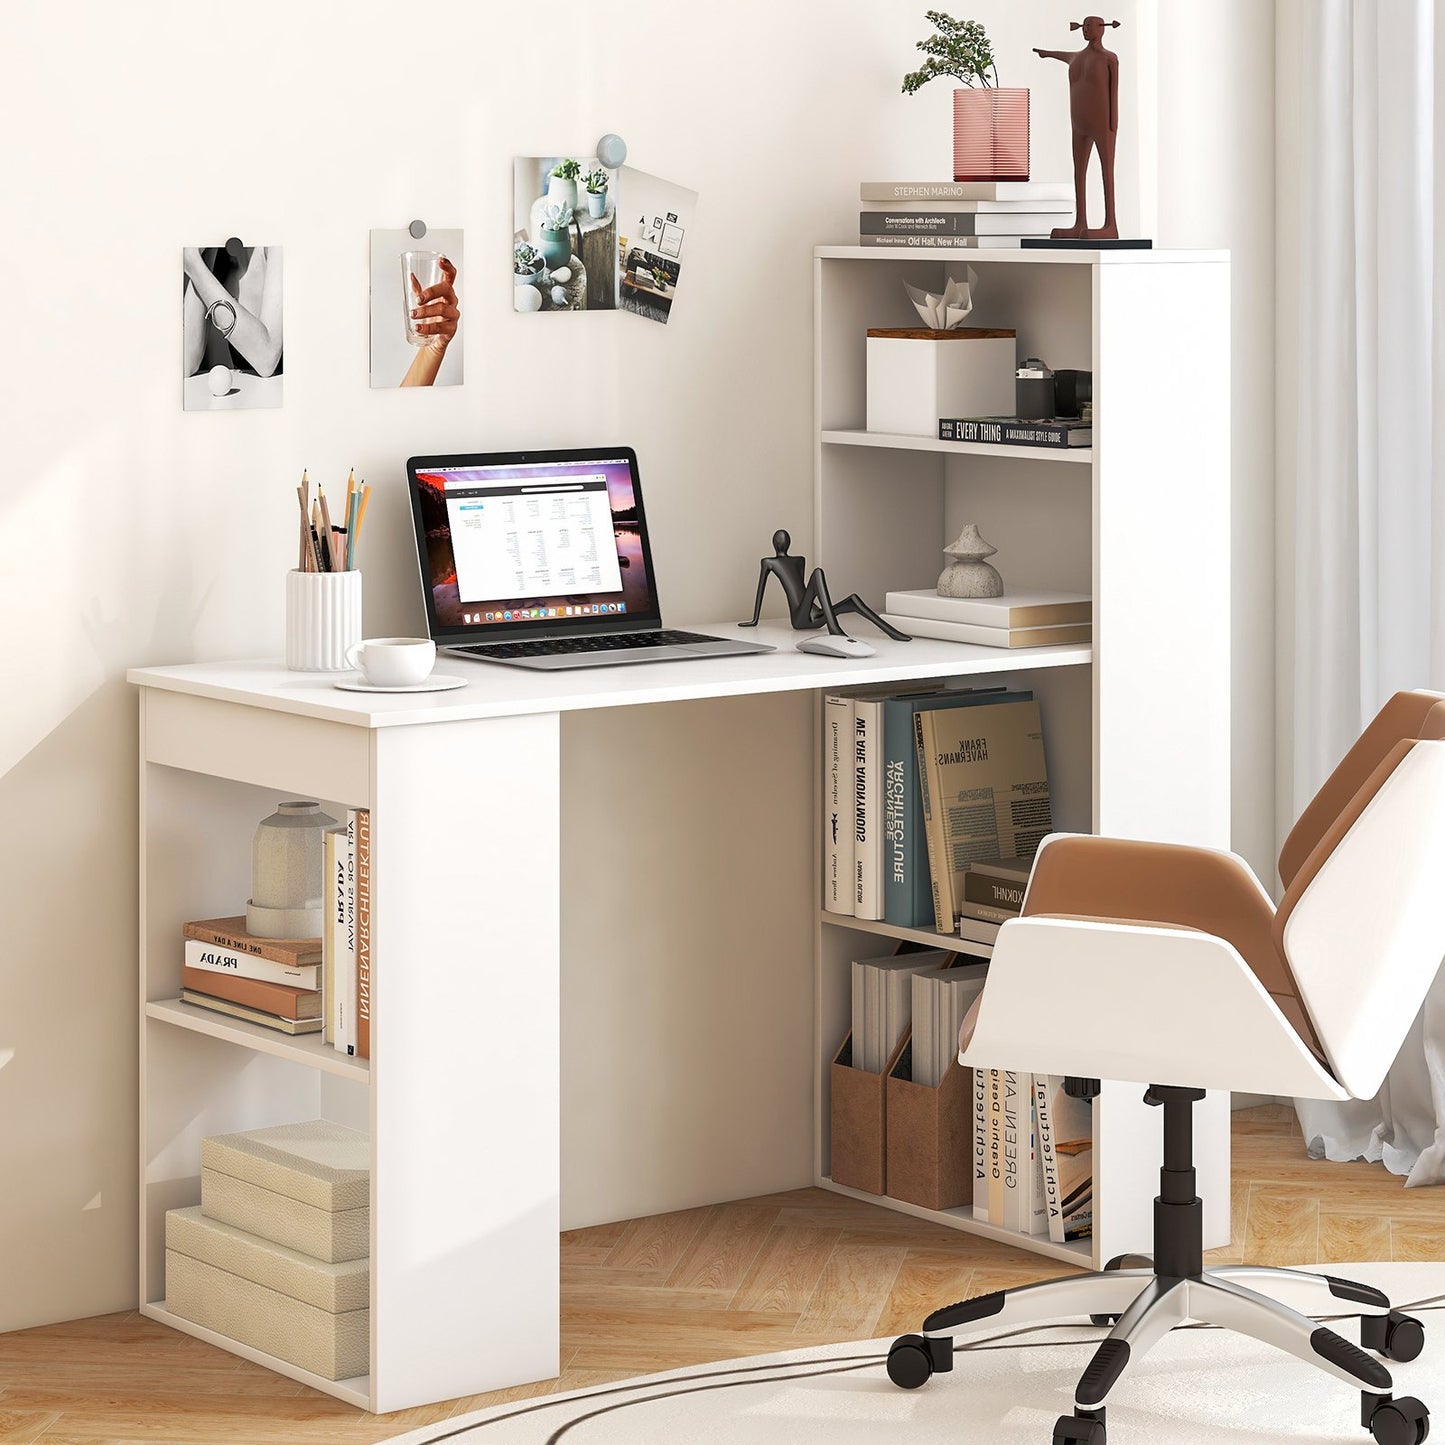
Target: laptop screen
532, 543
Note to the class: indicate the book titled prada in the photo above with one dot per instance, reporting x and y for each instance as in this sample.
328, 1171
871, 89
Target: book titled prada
1013, 431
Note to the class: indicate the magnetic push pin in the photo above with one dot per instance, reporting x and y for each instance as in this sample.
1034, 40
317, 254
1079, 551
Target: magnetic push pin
612, 151
417, 230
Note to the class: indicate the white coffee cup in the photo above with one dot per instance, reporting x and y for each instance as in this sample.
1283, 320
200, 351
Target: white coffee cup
393, 661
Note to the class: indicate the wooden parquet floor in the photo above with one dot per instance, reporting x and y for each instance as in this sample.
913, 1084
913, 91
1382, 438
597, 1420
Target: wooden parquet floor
784, 1271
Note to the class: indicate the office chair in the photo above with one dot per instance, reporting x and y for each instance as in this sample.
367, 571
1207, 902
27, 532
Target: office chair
1169, 966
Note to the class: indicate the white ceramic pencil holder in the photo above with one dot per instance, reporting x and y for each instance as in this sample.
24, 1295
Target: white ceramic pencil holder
323, 619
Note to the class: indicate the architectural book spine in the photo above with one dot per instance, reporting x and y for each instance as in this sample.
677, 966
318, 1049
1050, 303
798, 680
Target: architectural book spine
345, 903
917, 223
901, 818
837, 832
1053, 1206
980, 1144
214, 959
363, 933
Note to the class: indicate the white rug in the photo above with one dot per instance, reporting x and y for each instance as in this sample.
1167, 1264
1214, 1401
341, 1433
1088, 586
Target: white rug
1197, 1387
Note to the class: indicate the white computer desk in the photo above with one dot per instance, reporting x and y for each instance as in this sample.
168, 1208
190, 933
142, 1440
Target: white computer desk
464, 788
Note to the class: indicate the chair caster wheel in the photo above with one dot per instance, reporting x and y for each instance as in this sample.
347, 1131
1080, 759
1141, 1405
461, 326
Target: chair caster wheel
1075, 1430
910, 1364
1395, 1336
1400, 1422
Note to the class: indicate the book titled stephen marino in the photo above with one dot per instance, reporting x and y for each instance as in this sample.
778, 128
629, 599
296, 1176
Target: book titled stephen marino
1059, 431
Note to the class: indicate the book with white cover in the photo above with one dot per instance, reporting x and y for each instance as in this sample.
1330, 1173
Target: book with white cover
940, 1000
1012, 610
1057, 206
887, 1003
837, 832
215, 959
343, 901
1015, 1165
980, 1144
965, 191
1053, 1214
991, 636
1036, 1218
868, 799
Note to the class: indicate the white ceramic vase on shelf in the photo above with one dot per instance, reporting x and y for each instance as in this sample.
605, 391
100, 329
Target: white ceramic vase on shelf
286, 872
323, 619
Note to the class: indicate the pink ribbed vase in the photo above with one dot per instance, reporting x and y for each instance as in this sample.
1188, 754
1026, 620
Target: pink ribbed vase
990, 134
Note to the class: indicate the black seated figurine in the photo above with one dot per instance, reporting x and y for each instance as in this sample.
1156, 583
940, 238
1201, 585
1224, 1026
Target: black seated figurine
810, 606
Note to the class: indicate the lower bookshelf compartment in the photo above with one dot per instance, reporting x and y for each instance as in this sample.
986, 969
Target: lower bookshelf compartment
1079, 1253
355, 1391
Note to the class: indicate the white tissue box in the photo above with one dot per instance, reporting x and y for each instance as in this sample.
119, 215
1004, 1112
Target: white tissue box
916, 376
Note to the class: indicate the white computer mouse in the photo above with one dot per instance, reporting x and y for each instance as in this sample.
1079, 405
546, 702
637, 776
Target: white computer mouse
831, 646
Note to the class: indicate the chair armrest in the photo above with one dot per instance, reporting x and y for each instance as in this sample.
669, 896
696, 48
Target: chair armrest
1137, 1002
1081, 876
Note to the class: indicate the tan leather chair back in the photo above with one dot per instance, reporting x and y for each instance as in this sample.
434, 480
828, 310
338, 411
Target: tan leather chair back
1362, 924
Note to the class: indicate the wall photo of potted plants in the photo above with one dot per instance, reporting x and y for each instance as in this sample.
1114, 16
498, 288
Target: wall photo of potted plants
597, 182
990, 122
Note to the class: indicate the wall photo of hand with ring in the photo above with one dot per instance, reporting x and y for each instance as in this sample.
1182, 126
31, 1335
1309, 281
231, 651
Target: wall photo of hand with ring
416, 308
232, 343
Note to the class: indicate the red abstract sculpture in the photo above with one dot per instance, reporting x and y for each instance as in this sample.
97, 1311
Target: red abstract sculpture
1094, 113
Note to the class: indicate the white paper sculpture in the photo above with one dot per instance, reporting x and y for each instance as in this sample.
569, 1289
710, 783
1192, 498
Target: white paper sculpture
951, 309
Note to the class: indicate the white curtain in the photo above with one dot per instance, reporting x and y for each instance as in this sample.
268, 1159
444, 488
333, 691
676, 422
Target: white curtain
1368, 483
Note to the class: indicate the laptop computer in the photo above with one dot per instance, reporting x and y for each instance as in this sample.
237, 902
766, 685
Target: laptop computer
541, 559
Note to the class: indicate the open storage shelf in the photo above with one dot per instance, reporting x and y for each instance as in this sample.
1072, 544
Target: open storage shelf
1136, 728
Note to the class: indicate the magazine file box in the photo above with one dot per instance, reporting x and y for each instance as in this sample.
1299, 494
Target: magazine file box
858, 1122
929, 1135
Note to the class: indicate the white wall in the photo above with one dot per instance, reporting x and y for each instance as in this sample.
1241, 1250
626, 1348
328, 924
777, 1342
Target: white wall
131, 532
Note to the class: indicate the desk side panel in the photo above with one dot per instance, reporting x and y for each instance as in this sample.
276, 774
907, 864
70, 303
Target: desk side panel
1162, 552
465, 1058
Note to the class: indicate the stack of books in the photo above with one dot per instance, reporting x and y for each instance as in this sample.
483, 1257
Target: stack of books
297, 985
994, 888
895, 840
275, 982
961, 213
1016, 619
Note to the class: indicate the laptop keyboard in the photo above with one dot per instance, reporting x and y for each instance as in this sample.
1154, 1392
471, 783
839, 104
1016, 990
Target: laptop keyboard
612, 642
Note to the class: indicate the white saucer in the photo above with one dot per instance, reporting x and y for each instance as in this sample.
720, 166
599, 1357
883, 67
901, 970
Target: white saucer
438, 682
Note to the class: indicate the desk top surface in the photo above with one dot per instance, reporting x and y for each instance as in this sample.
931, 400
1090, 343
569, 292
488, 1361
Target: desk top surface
497, 691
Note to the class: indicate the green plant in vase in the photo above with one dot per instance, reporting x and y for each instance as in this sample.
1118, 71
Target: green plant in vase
556, 235
961, 49
596, 182
990, 122
528, 268
562, 183
660, 278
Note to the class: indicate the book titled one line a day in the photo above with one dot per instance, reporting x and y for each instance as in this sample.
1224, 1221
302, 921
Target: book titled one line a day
1014, 431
